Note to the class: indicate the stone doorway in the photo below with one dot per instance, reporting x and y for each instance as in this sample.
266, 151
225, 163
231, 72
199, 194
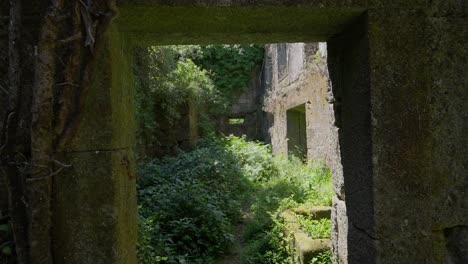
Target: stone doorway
399, 96
296, 131
146, 24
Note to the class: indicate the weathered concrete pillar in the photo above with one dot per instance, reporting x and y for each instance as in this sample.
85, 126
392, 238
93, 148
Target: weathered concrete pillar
94, 213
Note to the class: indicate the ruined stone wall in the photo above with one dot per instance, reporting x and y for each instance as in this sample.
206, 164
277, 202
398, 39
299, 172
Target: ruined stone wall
352, 210
400, 105
300, 76
248, 107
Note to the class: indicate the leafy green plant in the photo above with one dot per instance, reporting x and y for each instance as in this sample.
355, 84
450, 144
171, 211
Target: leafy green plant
322, 258
171, 79
6, 241
189, 203
279, 183
316, 228
165, 86
236, 121
229, 66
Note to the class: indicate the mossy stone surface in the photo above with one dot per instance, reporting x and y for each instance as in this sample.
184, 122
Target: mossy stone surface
107, 117
301, 3
95, 208
159, 25
316, 212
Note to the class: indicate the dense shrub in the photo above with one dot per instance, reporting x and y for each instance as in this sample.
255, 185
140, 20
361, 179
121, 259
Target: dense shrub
165, 86
188, 204
279, 183
230, 67
172, 81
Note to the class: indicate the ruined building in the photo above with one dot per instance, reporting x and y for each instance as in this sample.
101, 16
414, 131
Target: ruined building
299, 101
397, 71
299, 106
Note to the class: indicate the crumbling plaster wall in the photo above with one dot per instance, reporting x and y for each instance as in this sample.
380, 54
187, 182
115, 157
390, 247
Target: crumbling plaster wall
305, 82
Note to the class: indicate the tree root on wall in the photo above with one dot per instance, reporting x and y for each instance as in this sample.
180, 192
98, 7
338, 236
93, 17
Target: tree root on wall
67, 43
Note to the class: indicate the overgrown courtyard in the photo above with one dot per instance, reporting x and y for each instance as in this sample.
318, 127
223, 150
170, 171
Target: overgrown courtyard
190, 205
225, 199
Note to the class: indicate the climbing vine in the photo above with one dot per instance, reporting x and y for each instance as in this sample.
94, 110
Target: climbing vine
171, 79
229, 66
166, 84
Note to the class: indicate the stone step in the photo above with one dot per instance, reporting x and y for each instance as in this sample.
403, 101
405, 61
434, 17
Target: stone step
301, 245
316, 212
307, 248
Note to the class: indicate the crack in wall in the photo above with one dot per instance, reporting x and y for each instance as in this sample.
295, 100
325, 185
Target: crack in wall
362, 230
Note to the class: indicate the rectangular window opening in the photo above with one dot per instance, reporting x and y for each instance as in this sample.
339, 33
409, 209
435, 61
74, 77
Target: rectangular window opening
236, 121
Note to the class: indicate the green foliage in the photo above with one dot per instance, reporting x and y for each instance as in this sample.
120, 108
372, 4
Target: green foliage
169, 79
236, 121
316, 228
322, 258
279, 183
188, 204
229, 66
6, 241
165, 84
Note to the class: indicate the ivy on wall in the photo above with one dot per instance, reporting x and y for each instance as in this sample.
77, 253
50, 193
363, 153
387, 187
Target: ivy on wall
165, 84
168, 77
229, 66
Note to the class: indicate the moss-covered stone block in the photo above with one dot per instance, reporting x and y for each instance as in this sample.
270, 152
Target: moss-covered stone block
301, 3
164, 24
302, 247
448, 8
94, 211
417, 98
316, 212
400, 110
307, 248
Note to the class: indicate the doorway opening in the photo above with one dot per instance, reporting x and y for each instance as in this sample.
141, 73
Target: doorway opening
296, 131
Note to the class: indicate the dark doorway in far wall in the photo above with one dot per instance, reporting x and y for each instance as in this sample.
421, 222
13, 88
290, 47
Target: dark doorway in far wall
296, 131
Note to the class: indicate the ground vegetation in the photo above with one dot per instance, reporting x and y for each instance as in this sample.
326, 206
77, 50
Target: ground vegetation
189, 205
